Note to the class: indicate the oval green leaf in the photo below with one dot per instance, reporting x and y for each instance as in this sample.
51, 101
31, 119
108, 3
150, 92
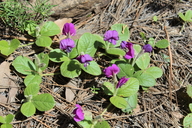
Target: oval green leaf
108, 88
125, 70
143, 61
43, 102
70, 69
43, 41
24, 65
102, 124
50, 29
9, 118
154, 72
118, 102
115, 51
132, 103
146, 80
28, 109
87, 44
56, 55
31, 90
32, 79
187, 122
8, 48
162, 43
93, 68
129, 88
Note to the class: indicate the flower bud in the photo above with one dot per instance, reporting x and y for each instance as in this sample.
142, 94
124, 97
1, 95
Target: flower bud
69, 29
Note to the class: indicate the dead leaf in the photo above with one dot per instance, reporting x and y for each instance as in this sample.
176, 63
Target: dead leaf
69, 94
5, 82
177, 115
61, 22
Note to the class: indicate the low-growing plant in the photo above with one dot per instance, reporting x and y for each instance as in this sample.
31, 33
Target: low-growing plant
129, 67
21, 15
187, 122
186, 18
6, 121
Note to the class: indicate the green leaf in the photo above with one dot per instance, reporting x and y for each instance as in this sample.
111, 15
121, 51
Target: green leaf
152, 42
50, 29
87, 44
28, 109
93, 68
187, 122
154, 72
108, 88
7, 48
42, 61
85, 123
9, 118
31, 90
102, 124
162, 43
87, 115
137, 49
155, 18
189, 90
43, 41
132, 103
55, 55
24, 65
182, 17
129, 88
6, 126
2, 119
115, 51
190, 107
74, 52
146, 80
70, 69
123, 32
188, 15
32, 79
143, 36
118, 102
143, 61
43, 102
125, 70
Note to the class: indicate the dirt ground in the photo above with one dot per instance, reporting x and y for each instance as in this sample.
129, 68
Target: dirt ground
163, 106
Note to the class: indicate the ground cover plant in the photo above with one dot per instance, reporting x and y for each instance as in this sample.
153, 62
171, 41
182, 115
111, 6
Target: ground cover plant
128, 73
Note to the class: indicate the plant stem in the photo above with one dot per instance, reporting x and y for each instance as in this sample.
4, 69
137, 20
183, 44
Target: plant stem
182, 28
26, 45
51, 74
106, 109
49, 48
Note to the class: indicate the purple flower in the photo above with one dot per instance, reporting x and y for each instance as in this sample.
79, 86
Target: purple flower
129, 48
123, 44
79, 115
111, 70
122, 81
147, 48
67, 44
84, 59
69, 29
111, 36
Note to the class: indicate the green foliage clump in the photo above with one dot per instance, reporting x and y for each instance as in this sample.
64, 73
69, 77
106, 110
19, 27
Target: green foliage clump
19, 15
